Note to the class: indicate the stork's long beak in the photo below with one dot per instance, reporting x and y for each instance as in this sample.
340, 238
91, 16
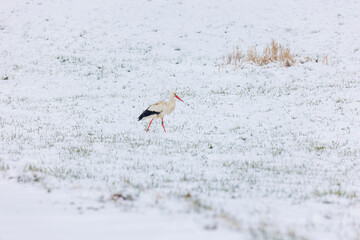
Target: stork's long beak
178, 98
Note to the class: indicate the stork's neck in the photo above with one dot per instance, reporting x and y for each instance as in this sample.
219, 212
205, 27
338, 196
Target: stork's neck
170, 106
172, 99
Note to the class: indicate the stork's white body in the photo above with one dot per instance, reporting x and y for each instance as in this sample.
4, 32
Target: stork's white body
159, 110
162, 108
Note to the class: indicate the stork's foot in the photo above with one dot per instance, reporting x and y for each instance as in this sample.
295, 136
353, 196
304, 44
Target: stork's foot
162, 124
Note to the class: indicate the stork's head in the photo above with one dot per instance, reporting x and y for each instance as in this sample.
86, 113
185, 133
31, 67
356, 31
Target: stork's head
172, 95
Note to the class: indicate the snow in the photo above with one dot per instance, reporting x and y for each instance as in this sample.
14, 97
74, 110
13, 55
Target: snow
257, 152
28, 213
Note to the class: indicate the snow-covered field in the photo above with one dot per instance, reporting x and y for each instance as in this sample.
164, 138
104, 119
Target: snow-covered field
262, 152
28, 213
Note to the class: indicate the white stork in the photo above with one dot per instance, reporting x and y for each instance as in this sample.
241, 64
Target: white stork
159, 109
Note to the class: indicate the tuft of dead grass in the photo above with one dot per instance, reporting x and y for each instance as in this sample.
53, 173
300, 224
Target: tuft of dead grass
274, 52
235, 57
325, 59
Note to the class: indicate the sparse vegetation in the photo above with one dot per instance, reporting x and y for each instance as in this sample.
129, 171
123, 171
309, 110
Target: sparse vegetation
272, 53
337, 192
119, 196
4, 167
196, 204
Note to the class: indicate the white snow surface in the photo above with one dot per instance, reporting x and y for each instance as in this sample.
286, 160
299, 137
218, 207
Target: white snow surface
33, 214
256, 152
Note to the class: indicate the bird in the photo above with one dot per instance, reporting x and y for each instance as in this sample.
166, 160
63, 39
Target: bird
159, 110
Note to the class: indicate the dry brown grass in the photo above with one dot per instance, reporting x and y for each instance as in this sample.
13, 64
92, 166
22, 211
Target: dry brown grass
235, 57
272, 53
325, 59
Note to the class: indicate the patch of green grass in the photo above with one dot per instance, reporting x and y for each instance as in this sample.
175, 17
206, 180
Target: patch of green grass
335, 192
319, 148
315, 146
81, 151
277, 151
4, 167
35, 169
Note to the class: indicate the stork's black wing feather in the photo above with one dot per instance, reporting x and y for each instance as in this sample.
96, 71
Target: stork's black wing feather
147, 113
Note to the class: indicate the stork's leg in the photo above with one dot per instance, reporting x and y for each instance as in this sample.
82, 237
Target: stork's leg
162, 123
149, 125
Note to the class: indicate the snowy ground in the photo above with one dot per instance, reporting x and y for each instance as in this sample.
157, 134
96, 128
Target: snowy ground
28, 213
260, 152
